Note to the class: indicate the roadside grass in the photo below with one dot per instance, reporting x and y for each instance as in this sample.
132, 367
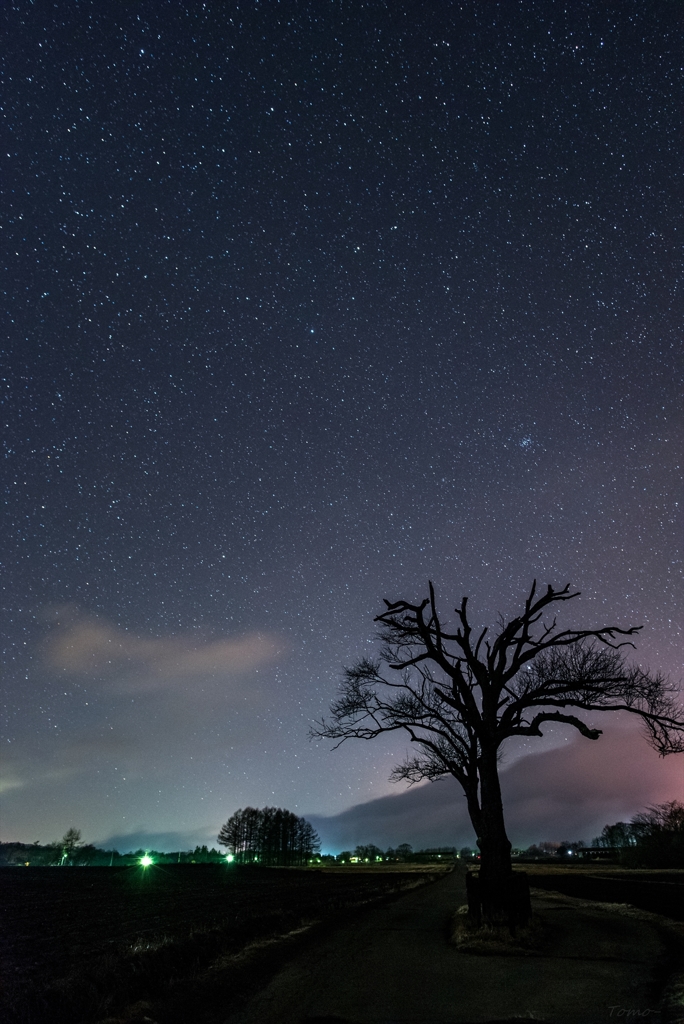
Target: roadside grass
599, 869
483, 940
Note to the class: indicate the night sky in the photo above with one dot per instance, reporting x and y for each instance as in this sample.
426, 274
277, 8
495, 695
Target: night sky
307, 302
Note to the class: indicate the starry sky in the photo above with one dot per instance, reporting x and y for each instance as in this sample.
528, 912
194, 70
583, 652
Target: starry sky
307, 302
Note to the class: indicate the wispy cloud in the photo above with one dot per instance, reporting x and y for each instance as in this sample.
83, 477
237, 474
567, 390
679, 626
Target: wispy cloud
142, 703
163, 842
95, 648
9, 780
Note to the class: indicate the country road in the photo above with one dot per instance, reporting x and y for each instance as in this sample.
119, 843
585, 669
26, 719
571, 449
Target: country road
396, 966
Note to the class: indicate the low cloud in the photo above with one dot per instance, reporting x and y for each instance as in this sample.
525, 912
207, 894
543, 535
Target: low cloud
8, 781
140, 704
62, 756
569, 792
162, 842
94, 648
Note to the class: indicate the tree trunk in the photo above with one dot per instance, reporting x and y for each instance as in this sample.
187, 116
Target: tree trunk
504, 898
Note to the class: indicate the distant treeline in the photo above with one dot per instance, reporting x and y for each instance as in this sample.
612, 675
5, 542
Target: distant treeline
52, 855
269, 835
274, 836
653, 839
369, 853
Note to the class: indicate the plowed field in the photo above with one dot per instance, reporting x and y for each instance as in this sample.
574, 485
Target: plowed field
76, 943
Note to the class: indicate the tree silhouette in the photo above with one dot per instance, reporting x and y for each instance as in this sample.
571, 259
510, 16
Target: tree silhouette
70, 842
368, 851
269, 836
459, 697
659, 835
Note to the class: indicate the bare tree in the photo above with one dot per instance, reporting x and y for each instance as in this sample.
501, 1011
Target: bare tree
269, 836
70, 842
459, 697
659, 836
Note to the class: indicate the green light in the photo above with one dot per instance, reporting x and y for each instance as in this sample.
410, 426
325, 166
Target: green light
146, 861
230, 858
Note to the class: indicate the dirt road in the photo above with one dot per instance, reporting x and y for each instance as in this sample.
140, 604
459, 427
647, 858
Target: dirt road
396, 966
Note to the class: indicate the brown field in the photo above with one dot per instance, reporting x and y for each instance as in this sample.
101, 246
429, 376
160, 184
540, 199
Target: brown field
660, 891
77, 944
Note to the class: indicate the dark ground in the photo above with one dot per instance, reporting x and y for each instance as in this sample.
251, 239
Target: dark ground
658, 891
588, 963
79, 943
205, 943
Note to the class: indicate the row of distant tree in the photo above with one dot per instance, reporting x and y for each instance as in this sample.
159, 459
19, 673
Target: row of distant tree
270, 835
81, 854
654, 838
369, 853
67, 851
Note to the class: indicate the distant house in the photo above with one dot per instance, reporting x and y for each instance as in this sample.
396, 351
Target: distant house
601, 853
435, 855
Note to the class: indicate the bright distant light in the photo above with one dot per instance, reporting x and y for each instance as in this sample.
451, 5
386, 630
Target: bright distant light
230, 858
146, 861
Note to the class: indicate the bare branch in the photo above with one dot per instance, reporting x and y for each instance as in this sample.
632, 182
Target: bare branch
555, 716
